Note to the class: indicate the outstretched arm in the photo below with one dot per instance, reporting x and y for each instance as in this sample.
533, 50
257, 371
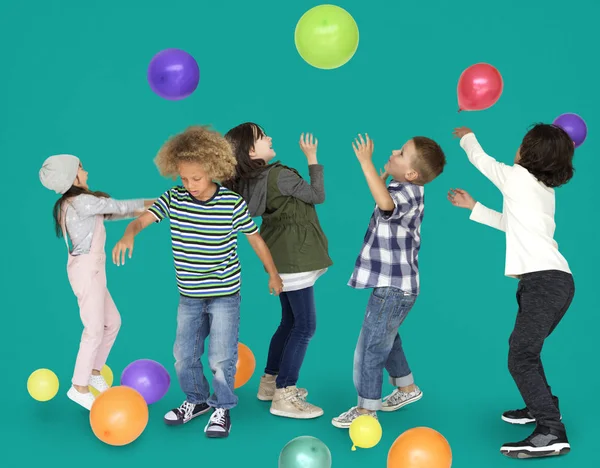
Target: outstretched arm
495, 171
479, 213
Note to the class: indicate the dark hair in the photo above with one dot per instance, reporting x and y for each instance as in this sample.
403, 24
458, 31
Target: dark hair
72, 192
547, 153
242, 140
430, 160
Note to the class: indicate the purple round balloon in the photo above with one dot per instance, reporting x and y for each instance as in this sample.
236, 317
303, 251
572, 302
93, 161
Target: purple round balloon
148, 377
574, 126
173, 74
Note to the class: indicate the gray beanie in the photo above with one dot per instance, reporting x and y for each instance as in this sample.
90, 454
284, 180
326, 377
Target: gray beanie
59, 172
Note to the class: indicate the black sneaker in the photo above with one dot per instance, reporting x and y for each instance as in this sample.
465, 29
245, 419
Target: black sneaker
219, 424
519, 416
544, 442
185, 413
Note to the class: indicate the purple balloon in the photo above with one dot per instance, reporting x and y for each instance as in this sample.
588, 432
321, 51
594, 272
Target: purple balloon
574, 126
173, 74
148, 377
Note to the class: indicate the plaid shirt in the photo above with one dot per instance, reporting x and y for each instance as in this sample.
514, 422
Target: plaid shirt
389, 256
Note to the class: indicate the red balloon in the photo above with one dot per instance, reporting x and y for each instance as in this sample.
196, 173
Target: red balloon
479, 87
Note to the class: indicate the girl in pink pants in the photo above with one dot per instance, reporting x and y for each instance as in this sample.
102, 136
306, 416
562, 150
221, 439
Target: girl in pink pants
79, 215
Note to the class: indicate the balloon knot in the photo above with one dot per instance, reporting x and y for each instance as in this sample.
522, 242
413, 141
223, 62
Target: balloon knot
354, 448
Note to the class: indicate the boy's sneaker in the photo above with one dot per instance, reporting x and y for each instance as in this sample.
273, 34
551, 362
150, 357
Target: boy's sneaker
219, 424
84, 399
98, 382
185, 413
544, 442
398, 399
267, 387
344, 420
288, 403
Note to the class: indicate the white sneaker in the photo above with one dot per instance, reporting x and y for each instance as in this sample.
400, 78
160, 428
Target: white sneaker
84, 399
98, 382
344, 420
398, 399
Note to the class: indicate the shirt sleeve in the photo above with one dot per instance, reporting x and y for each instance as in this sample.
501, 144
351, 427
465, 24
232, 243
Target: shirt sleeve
161, 207
291, 184
495, 171
401, 206
91, 205
242, 220
484, 215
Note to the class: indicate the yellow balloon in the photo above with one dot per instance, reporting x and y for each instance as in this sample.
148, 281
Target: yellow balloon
108, 376
365, 432
42, 385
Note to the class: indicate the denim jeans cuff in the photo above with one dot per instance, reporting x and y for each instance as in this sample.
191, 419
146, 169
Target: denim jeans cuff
402, 381
371, 405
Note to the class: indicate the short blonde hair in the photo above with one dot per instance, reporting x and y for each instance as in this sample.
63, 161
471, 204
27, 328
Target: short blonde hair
201, 145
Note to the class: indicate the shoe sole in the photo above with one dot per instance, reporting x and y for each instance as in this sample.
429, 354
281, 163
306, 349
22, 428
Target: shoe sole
536, 452
340, 425
217, 434
75, 401
521, 421
181, 422
389, 409
285, 414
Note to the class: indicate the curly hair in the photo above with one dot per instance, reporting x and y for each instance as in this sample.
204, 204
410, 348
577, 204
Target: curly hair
547, 153
430, 160
201, 145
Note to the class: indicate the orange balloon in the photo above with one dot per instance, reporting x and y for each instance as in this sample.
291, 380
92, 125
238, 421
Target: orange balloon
420, 447
119, 415
245, 365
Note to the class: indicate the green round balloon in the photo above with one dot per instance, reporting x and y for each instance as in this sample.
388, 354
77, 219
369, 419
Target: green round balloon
305, 452
326, 37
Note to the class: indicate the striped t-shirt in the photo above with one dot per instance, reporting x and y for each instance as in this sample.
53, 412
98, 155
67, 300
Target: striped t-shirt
204, 238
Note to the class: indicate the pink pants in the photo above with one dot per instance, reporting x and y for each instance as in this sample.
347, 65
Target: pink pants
99, 314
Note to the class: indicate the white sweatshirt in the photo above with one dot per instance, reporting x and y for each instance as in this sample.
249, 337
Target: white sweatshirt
527, 215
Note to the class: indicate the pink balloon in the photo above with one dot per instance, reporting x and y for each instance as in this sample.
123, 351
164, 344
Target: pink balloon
479, 87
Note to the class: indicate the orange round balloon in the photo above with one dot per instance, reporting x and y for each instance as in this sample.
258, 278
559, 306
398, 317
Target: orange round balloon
245, 365
420, 447
119, 415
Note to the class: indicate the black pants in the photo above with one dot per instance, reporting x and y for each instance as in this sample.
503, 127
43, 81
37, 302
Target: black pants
543, 299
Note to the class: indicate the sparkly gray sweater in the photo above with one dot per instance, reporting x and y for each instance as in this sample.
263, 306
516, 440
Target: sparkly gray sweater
81, 212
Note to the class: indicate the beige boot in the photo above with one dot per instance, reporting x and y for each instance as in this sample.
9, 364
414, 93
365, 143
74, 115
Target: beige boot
267, 386
288, 403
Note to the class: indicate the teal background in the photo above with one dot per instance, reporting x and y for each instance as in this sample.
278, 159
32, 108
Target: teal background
73, 80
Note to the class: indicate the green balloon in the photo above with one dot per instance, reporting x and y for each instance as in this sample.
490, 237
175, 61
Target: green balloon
305, 452
326, 36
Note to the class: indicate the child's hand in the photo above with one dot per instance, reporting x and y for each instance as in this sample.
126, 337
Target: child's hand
383, 174
308, 145
461, 132
275, 285
363, 148
460, 198
120, 250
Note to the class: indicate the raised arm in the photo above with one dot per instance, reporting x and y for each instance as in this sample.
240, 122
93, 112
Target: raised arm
363, 148
291, 184
495, 171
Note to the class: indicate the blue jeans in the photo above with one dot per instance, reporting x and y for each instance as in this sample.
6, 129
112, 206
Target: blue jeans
379, 346
290, 341
197, 319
